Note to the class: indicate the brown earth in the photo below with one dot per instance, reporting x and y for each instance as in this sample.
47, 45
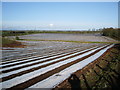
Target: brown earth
33, 69
47, 74
102, 73
14, 44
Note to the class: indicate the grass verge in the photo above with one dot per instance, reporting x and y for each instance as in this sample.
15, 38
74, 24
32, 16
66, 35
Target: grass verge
6, 42
67, 41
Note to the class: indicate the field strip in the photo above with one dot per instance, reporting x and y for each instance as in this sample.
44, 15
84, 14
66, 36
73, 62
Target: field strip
16, 59
39, 58
24, 50
20, 49
19, 55
25, 77
36, 60
38, 78
32, 69
40, 65
36, 57
48, 55
8, 57
30, 57
42, 50
64, 74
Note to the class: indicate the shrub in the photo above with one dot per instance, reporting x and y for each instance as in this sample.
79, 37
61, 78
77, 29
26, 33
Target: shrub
111, 32
17, 38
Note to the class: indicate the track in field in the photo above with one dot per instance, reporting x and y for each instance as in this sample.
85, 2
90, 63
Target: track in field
39, 71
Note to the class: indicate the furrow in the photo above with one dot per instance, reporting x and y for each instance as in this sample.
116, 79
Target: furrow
21, 59
34, 59
23, 69
8, 59
38, 75
64, 74
39, 66
19, 55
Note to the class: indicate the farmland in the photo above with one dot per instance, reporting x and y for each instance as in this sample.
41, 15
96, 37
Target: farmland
50, 57
59, 45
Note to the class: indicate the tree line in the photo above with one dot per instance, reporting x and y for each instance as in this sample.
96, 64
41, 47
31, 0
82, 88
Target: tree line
111, 32
17, 33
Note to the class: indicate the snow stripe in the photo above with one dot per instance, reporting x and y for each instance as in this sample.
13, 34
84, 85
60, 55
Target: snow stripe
34, 66
20, 49
25, 77
33, 58
8, 61
64, 74
18, 55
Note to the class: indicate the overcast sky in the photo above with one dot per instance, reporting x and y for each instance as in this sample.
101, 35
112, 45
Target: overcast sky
59, 15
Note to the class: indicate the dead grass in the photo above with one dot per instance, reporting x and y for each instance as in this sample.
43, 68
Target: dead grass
6, 42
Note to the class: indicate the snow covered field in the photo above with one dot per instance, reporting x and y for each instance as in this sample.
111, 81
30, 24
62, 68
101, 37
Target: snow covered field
41, 62
73, 37
65, 73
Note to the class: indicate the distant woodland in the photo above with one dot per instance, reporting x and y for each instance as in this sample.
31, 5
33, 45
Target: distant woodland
110, 32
